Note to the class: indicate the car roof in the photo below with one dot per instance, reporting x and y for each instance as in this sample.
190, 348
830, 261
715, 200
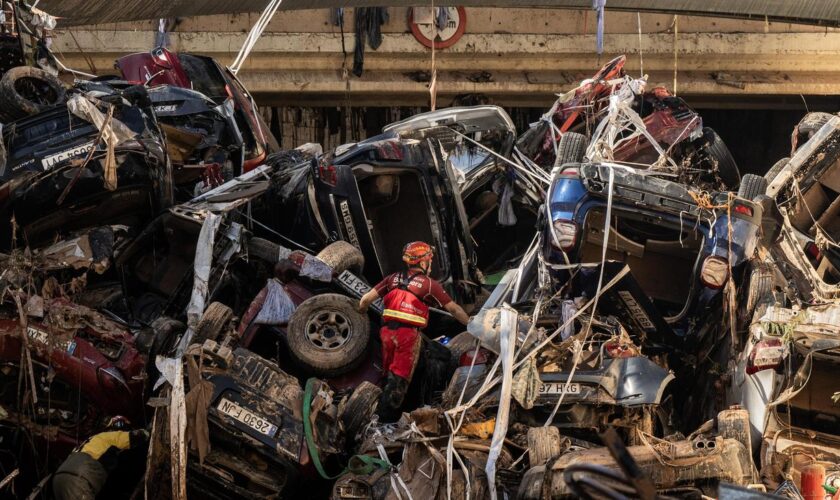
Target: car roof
469, 118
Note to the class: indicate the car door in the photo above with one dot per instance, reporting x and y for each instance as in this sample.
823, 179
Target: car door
339, 206
464, 259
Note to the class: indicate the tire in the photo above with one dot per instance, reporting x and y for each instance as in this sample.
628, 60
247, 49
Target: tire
809, 125
461, 343
751, 186
759, 288
775, 169
264, 249
25, 91
359, 408
213, 323
327, 335
342, 256
723, 162
167, 332
543, 444
571, 149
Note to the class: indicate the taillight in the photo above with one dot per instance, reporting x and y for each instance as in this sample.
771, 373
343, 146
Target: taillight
565, 234
767, 354
813, 250
328, 174
715, 272
743, 210
481, 357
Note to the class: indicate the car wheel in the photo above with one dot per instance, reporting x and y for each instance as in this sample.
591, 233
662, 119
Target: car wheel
327, 335
342, 256
759, 289
215, 321
723, 162
25, 90
808, 126
775, 169
571, 149
167, 332
751, 186
543, 444
359, 408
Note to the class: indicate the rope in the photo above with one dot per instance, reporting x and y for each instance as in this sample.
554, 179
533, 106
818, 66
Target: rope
254, 35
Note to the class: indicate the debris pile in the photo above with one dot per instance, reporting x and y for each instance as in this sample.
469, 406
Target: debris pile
188, 311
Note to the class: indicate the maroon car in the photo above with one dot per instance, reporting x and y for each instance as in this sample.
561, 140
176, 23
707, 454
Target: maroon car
207, 76
85, 369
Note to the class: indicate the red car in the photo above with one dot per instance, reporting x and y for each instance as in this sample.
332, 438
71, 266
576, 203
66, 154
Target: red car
205, 75
85, 369
676, 127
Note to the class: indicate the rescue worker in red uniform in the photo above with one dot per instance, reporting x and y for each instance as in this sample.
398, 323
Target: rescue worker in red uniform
407, 296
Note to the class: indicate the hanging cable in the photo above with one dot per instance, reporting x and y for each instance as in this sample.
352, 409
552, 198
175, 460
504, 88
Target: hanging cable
254, 35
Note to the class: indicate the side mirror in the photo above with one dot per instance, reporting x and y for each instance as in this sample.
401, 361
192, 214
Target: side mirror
771, 219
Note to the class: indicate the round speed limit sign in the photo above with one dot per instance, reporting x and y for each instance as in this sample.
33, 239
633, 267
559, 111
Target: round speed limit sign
421, 21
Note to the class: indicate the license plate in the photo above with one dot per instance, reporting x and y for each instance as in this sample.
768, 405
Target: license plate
356, 287
247, 417
49, 162
557, 388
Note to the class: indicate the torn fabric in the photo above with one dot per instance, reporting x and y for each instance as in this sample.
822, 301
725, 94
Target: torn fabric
197, 401
526, 384
201, 267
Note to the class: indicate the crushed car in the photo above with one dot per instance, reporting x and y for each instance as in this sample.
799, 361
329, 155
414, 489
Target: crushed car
666, 130
789, 347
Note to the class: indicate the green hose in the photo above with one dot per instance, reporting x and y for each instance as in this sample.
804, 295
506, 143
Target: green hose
358, 464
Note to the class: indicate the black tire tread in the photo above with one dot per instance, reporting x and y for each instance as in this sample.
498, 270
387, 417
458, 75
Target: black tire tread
775, 169
212, 323
13, 105
751, 186
571, 149
359, 407
810, 123
726, 167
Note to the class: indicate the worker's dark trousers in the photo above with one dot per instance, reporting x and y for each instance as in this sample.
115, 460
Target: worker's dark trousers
80, 477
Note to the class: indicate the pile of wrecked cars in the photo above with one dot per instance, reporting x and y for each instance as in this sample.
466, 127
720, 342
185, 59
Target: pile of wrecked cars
645, 320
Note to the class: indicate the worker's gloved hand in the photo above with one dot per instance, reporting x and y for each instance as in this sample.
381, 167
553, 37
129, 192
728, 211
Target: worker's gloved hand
362, 308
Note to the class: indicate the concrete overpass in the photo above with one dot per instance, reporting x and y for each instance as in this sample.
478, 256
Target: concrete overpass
518, 57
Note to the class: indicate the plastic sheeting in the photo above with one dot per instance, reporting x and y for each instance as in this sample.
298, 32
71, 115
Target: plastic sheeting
315, 268
509, 320
278, 306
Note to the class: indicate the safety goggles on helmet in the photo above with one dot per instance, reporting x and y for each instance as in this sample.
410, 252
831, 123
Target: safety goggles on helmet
119, 423
417, 252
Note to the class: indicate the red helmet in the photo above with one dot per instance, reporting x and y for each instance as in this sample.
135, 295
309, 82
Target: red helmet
417, 252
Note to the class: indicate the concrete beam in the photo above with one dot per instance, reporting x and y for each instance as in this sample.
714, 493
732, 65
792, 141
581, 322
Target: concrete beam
524, 68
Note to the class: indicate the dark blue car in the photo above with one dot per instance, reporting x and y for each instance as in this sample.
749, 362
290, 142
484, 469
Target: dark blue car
679, 243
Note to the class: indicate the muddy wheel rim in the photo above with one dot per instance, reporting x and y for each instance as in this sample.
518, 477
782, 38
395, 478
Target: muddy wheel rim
328, 330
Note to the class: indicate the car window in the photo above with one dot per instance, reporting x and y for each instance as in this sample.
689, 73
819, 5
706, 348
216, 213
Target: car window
466, 158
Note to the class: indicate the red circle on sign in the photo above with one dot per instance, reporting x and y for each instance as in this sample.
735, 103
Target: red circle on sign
422, 38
